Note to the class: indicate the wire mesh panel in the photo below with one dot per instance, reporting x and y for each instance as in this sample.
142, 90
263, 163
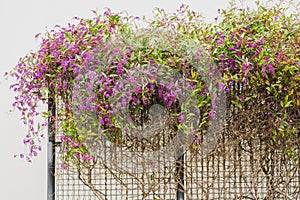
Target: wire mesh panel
240, 169
235, 169
104, 181
240, 166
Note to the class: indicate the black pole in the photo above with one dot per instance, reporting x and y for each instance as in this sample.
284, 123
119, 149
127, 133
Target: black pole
180, 175
51, 150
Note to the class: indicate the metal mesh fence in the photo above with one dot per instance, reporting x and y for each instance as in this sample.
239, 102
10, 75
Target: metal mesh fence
242, 170
235, 169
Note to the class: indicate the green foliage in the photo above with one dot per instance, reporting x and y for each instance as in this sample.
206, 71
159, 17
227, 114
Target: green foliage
256, 51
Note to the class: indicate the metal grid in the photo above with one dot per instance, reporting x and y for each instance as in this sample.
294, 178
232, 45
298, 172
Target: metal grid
236, 169
233, 172
69, 186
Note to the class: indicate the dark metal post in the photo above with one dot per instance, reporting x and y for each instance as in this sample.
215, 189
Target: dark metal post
180, 175
51, 151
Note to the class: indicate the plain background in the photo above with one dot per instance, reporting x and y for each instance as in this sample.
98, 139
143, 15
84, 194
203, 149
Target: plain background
20, 21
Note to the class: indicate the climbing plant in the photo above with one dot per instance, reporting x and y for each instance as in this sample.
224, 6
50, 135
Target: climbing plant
251, 55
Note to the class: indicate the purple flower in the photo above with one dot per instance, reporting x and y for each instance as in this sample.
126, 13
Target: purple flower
64, 166
222, 86
180, 117
101, 121
220, 42
238, 45
74, 145
271, 69
222, 56
211, 115
245, 67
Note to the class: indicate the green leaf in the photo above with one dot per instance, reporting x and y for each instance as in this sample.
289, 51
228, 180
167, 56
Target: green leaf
237, 103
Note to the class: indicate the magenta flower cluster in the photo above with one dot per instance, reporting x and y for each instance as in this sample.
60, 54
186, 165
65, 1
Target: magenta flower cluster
253, 55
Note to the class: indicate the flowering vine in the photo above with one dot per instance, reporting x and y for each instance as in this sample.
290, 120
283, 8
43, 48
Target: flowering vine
255, 51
